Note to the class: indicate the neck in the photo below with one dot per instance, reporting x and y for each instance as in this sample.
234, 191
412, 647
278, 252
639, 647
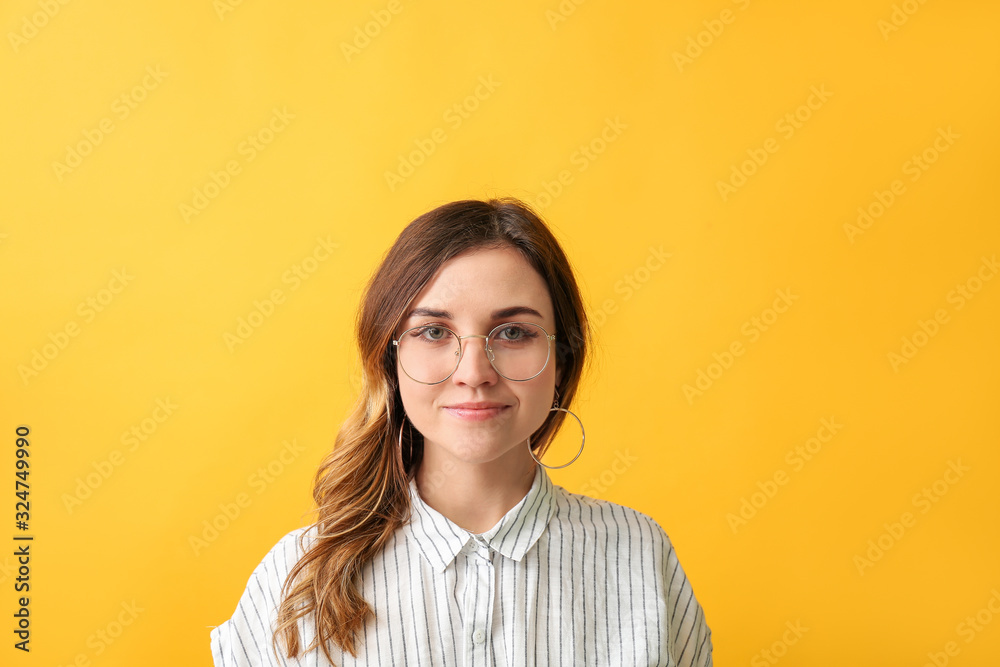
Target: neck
474, 496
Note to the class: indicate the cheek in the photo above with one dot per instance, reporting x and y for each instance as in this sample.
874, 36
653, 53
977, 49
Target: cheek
406, 394
417, 399
405, 389
537, 402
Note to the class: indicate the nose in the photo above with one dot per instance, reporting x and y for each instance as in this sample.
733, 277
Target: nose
474, 368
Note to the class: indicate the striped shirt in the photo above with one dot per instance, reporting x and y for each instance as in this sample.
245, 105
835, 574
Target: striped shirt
561, 579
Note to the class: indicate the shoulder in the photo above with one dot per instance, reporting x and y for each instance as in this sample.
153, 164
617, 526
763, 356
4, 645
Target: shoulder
281, 558
289, 549
646, 558
611, 519
248, 632
270, 573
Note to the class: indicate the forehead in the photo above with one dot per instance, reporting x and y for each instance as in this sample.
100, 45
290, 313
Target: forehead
485, 284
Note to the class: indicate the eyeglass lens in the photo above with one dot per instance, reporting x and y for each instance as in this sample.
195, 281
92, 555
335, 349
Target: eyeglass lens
517, 350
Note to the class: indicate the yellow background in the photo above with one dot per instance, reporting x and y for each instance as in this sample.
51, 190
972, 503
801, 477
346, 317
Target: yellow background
560, 75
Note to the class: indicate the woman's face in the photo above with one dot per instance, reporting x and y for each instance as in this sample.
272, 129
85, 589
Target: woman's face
469, 292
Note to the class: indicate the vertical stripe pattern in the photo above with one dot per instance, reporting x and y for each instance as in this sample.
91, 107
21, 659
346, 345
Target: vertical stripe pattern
562, 579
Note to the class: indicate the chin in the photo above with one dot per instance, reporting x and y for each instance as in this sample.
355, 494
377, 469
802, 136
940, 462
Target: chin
487, 450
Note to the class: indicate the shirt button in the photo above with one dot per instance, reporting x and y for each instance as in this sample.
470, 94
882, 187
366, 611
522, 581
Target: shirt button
479, 636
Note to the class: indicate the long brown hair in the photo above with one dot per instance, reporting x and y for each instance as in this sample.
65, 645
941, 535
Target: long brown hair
361, 487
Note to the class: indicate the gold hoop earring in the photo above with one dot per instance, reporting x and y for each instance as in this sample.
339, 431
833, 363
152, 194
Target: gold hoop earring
583, 437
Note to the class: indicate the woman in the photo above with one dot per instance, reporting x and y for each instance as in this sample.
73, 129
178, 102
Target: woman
440, 538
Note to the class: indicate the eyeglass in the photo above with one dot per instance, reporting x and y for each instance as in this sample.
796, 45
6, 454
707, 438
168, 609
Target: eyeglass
431, 353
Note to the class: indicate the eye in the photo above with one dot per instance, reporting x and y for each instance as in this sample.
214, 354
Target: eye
514, 333
430, 333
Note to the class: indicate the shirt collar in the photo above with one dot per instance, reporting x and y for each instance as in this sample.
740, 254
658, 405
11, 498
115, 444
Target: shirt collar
440, 540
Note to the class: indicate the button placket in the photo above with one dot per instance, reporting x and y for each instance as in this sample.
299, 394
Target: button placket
479, 600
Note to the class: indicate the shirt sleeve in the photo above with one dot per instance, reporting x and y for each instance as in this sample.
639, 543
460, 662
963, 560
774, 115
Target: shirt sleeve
690, 636
244, 640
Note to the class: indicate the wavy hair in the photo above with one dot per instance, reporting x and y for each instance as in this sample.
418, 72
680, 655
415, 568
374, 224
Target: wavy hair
361, 487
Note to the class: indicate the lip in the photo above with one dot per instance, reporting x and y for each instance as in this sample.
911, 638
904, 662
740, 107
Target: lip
476, 411
481, 405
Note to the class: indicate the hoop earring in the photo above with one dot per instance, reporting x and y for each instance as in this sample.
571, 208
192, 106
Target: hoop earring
583, 437
402, 463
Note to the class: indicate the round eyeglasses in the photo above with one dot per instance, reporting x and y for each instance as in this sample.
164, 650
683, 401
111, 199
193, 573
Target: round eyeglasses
430, 353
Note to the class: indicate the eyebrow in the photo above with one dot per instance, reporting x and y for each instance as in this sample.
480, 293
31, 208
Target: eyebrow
503, 313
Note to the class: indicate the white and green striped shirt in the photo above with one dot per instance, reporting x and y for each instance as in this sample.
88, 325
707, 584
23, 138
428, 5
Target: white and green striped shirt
562, 579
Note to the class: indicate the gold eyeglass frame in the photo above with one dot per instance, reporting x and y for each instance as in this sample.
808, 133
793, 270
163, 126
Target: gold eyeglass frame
490, 355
